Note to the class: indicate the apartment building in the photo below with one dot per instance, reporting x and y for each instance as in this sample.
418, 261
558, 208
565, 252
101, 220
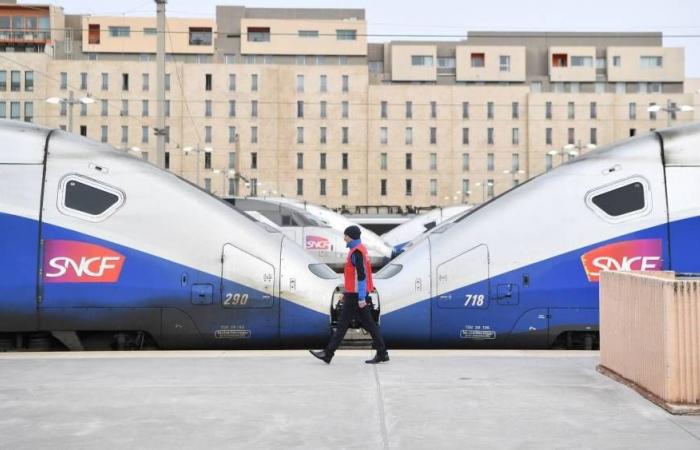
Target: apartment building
298, 103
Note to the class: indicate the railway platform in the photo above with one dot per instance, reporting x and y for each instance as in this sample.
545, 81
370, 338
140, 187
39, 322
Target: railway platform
287, 399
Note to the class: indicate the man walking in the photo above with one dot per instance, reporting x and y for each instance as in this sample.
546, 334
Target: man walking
358, 282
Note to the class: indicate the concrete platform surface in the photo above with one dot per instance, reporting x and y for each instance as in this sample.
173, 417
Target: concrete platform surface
287, 399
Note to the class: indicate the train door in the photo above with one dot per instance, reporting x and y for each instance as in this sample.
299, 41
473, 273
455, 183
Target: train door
683, 187
249, 300
20, 193
461, 302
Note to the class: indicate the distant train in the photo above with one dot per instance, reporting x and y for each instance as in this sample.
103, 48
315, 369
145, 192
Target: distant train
407, 231
100, 249
522, 270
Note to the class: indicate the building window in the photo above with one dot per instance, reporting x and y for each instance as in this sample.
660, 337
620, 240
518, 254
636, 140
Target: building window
571, 111
28, 111
345, 138
167, 134
383, 110
94, 33
300, 109
515, 162
15, 111
125, 82
422, 60
232, 82
433, 187
300, 186
409, 161
200, 36
560, 60
409, 187
144, 134
465, 162
64, 109
103, 108
478, 59
515, 110
383, 163
548, 136
232, 108
119, 31
489, 110
322, 161
504, 63
254, 82
465, 188
345, 83
254, 160
489, 136
125, 108
324, 109
254, 187
650, 61
105, 82
232, 135
465, 110
322, 187
433, 161
145, 84
344, 161
652, 114
490, 162
3, 80
323, 135
383, 135
345, 109
63, 81
253, 135
617, 61
515, 136
600, 88
207, 82
548, 162
433, 110
382, 187
207, 108
300, 83
536, 87
104, 133
254, 108
258, 34
409, 110
323, 83
548, 110
125, 134
571, 135
344, 187
3, 110
594, 110
144, 108
83, 109
409, 136
346, 35
447, 63
581, 61
300, 161
167, 82
208, 134
433, 135
300, 135
166, 105
633, 111
594, 136
490, 188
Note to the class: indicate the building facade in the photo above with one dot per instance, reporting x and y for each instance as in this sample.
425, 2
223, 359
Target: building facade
297, 103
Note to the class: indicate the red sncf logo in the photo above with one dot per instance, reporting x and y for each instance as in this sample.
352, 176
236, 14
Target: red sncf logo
80, 262
640, 254
317, 243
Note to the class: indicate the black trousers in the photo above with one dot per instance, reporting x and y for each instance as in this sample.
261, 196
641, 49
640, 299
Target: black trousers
350, 311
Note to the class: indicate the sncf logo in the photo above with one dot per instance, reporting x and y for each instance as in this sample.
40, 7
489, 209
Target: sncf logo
317, 243
80, 262
641, 254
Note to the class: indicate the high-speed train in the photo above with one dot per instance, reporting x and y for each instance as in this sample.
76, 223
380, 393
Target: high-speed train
315, 236
522, 270
100, 249
407, 231
379, 251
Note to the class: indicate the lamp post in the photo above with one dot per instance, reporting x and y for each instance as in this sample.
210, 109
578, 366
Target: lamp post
70, 101
483, 185
571, 150
196, 150
670, 109
514, 173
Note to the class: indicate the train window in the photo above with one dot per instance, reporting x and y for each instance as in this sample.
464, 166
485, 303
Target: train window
323, 271
88, 199
628, 198
388, 271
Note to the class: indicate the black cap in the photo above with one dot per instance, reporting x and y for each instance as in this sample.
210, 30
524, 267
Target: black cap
353, 232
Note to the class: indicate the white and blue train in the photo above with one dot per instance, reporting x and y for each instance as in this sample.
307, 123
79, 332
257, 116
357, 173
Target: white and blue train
100, 249
522, 270
103, 249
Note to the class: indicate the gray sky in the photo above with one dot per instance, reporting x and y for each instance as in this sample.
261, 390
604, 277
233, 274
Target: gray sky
672, 17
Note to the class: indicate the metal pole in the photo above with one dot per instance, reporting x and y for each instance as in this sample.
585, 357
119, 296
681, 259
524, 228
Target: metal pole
237, 163
196, 150
70, 101
224, 175
668, 113
160, 84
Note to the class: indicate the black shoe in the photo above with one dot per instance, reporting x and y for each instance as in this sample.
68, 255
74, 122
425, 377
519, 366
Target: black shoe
379, 358
322, 355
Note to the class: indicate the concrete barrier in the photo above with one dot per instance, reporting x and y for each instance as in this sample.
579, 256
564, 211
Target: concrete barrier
650, 336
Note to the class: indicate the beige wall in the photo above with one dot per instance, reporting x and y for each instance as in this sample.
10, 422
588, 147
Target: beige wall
571, 73
630, 68
491, 70
284, 38
177, 39
403, 70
